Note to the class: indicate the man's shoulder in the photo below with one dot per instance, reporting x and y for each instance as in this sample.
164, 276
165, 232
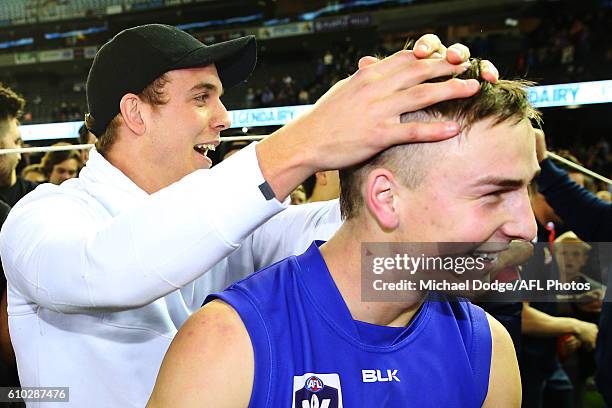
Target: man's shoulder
217, 316
70, 191
251, 295
54, 203
504, 380
499, 334
211, 351
278, 275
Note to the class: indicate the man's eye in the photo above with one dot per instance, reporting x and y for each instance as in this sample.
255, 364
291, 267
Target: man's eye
201, 98
494, 195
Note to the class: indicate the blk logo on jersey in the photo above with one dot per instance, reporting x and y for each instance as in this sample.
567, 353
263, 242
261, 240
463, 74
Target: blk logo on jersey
317, 391
369, 376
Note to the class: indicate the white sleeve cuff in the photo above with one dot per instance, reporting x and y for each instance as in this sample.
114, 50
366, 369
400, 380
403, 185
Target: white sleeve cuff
242, 206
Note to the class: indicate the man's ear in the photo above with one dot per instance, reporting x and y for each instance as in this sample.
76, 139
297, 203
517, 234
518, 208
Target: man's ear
131, 107
380, 197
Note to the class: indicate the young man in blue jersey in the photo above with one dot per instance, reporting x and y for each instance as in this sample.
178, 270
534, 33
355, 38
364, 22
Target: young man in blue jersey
297, 334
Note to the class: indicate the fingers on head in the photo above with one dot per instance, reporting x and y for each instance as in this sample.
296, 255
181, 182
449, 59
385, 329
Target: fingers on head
424, 70
419, 132
426, 94
488, 71
427, 45
457, 53
386, 66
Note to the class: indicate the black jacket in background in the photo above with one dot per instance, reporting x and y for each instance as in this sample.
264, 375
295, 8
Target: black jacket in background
11, 195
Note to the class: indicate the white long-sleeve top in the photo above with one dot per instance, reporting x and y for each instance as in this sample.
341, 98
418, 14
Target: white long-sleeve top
101, 275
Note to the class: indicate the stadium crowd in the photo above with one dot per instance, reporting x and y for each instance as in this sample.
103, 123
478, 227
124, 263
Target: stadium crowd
555, 45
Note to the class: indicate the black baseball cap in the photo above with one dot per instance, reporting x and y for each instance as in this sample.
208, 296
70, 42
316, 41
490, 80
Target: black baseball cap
135, 57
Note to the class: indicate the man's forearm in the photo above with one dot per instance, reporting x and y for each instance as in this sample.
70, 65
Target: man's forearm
538, 323
584, 213
162, 243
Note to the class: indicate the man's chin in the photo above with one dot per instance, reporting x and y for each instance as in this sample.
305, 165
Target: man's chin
202, 162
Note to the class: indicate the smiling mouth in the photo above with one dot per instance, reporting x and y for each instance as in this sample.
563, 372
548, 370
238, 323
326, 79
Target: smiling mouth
203, 148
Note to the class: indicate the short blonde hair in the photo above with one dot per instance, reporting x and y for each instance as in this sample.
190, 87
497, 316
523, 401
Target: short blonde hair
502, 101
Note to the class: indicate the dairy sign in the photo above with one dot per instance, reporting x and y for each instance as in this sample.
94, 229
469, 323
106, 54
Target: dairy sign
578, 93
266, 116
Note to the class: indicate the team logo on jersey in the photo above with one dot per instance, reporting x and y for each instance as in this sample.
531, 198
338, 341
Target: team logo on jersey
313, 390
314, 384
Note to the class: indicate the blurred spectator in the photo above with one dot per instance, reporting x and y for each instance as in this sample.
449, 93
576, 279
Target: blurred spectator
60, 166
33, 172
591, 219
571, 255
322, 186
545, 382
298, 196
12, 188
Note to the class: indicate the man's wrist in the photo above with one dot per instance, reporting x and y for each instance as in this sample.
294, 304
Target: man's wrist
576, 329
282, 161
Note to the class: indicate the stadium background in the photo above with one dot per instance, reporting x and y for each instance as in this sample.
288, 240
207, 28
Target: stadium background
47, 46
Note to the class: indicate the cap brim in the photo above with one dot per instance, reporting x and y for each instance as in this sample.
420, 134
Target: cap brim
234, 59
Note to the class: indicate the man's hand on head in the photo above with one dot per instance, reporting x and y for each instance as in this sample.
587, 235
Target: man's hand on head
429, 46
360, 116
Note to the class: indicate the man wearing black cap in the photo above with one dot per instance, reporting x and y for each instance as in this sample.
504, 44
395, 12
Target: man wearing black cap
95, 309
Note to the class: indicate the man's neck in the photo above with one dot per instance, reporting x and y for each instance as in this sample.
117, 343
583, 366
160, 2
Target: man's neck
342, 254
138, 173
8, 179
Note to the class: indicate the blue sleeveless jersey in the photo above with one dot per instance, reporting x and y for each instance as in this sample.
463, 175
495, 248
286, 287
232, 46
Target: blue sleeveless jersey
310, 353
